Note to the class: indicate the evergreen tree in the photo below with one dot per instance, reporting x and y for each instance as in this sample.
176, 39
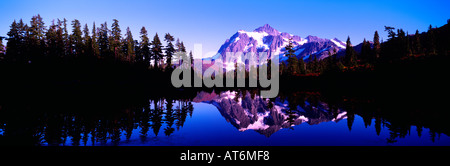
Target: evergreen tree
315, 65
23, 44
95, 47
178, 51
13, 44
408, 46
129, 46
401, 34
390, 31
60, 40
51, 40
87, 42
66, 38
37, 29
115, 41
182, 47
181, 50
35, 38
376, 47
301, 66
75, 38
431, 41
402, 42
191, 57
350, 54
144, 49
416, 43
156, 50
124, 49
170, 50
178, 45
365, 51
103, 42
137, 52
292, 59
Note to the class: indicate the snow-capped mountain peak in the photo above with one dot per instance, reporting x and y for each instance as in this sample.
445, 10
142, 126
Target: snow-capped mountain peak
268, 39
268, 29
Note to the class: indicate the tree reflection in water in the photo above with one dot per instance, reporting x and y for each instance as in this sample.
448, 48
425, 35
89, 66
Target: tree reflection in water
244, 109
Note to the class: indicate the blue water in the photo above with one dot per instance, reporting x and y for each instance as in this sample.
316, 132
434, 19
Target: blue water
208, 127
230, 118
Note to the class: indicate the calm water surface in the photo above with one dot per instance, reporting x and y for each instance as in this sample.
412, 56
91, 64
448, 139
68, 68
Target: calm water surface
225, 118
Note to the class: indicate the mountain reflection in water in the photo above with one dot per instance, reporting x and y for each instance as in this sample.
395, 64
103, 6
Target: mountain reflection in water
224, 118
246, 111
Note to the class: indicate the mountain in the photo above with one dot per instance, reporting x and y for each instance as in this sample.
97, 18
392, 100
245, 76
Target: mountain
247, 112
267, 39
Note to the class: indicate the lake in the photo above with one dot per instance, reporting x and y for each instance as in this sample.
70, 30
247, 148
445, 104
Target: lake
226, 118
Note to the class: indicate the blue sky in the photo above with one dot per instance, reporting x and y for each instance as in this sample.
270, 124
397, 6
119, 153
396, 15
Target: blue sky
211, 22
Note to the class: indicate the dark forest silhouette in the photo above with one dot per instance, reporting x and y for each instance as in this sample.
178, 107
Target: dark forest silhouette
400, 47
39, 55
56, 128
40, 44
404, 65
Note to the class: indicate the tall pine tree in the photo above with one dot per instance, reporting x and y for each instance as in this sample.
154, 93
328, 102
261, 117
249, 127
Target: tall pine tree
181, 50
75, 38
301, 66
156, 50
292, 59
431, 41
365, 51
103, 41
51, 40
144, 50
87, 42
13, 49
170, 50
66, 39
115, 40
376, 48
129, 46
60, 40
390, 31
417, 46
35, 39
191, 57
350, 54
94, 38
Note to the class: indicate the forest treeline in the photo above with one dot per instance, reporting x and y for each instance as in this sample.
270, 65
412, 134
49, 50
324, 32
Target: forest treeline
400, 46
76, 57
405, 63
36, 53
36, 43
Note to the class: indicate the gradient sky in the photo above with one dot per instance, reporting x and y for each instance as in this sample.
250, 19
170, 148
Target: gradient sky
211, 22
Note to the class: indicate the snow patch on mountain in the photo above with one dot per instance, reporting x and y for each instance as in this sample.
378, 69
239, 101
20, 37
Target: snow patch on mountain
339, 44
258, 36
271, 41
